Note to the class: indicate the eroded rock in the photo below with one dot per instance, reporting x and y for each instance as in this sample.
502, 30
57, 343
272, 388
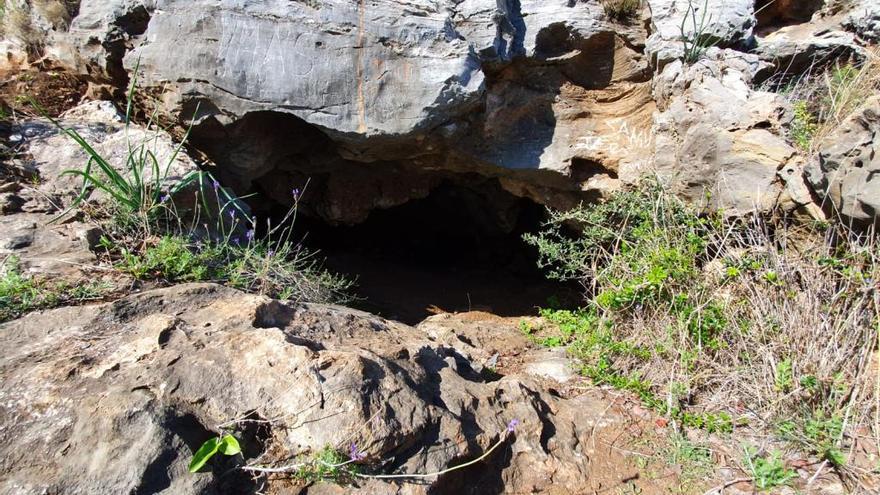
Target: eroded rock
718, 140
551, 98
114, 398
843, 173
725, 23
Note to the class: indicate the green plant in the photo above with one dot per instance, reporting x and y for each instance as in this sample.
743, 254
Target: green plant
140, 184
20, 294
780, 329
276, 269
767, 471
699, 40
621, 10
327, 464
818, 432
226, 445
694, 460
803, 125
784, 377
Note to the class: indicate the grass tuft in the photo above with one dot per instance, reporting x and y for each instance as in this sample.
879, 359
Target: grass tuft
20, 294
621, 10
823, 99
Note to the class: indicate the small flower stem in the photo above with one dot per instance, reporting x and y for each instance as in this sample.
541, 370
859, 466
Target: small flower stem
439, 473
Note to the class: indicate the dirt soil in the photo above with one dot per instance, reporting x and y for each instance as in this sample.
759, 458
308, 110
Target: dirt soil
54, 91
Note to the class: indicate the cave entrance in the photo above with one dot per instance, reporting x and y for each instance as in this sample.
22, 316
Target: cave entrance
417, 237
458, 249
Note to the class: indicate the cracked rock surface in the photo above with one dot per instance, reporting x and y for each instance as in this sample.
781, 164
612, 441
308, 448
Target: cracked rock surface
114, 398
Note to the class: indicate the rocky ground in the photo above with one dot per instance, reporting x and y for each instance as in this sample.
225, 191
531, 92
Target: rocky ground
379, 103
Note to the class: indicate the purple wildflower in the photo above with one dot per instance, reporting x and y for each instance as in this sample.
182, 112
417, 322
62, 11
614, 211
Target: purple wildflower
215, 184
164, 198
232, 214
356, 455
271, 252
236, 241
250, 235
296, 193
512, 425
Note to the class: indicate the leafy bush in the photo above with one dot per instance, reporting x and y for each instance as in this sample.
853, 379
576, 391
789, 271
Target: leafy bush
768, 471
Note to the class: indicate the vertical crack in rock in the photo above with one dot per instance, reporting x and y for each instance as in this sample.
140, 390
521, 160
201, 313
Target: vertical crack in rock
510, 30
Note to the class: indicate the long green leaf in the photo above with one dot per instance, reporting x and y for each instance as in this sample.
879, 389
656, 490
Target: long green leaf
229, 445
204, 454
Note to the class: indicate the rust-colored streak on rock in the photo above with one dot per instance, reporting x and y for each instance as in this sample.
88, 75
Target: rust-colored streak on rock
362, 107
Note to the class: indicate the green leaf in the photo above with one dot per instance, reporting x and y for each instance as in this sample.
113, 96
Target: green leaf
229, 445
204, 454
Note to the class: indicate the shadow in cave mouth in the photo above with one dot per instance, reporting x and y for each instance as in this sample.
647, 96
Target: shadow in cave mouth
458, 249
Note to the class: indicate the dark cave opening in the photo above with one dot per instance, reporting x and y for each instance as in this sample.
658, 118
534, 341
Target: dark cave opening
773, 15
418, 237
458, 249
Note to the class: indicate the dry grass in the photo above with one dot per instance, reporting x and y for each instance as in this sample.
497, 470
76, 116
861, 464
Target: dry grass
725, 324
828, 95
621, 10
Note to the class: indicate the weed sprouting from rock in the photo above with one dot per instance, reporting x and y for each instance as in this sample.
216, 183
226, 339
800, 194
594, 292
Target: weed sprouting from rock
621, 10
20, 293
696, 40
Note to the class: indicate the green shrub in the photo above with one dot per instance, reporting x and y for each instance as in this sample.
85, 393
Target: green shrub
20, 294
274, 269
697, 315
768, 471
803, 125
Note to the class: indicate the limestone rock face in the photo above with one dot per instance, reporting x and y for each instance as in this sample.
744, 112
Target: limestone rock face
725, 23
864, 19
377, 103
114, 398
718, 140
844, 171
793, 49
549, 97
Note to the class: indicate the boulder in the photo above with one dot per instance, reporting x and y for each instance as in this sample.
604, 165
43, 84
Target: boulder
115, 398
718, 141
864, 19
843, 171
794, 50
